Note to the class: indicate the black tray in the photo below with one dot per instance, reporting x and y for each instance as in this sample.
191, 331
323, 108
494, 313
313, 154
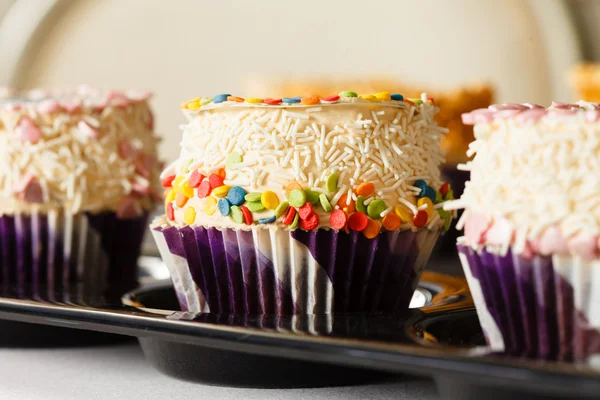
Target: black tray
441, 341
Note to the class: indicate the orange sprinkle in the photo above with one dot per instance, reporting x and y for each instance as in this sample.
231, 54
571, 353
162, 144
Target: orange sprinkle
365, 189
235, 98
391, 222
372, 229
291, 186
221, 172
180, 199
309, 100
349, 208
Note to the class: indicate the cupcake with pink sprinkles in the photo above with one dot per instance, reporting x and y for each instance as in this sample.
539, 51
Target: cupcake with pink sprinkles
78, 175
531, 248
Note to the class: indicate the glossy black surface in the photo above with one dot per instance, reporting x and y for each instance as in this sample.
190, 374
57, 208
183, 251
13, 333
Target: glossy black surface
438, 341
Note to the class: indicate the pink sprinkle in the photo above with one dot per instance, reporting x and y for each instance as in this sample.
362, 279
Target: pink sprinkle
150, 122
507, 113
533, 106
32, 191
584, 245
117, 99
143, 164
20, 186
88, 130
139, 189
475, 227
28, 130
129, 208
507, 106
126, 150
72, 107
48, 107
534, 115
13, 107
564, 106
552, 241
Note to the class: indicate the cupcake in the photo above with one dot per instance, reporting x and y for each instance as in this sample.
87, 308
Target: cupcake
77, 179
531, 228
303, 204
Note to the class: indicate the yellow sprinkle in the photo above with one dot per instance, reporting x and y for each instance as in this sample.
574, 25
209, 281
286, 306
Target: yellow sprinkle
209, 206
185, 103
189, 215
253, 100
187, 189
221, 191
205, 100
194, 105
404, 213
383, 96
170, 197
269, 199
177, 184
425, 200
368, 97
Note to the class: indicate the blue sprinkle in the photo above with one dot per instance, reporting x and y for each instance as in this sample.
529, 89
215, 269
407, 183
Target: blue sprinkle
395, 96
430, 192
266, 220
236, 195
291, 100
220, 98
421, 184
224, 206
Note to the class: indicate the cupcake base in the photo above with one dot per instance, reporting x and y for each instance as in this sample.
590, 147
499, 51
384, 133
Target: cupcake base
543, 307
275, 271
55, 252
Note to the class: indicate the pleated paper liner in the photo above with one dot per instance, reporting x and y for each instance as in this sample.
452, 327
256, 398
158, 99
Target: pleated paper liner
276, 271
48, 255
544, 307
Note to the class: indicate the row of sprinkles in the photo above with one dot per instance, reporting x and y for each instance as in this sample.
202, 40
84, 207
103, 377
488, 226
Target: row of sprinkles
361, 212
199, 102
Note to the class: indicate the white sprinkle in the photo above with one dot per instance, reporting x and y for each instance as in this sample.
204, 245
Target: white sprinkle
386, 211
408, 204
368, 200
338, 194
295, 115
313, 109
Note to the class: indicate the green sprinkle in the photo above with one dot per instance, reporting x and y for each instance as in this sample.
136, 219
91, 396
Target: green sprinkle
417, 101
325, 202
294, 224
297, 198
449, 195
360, 204
438, 197
281, 208
348, 94
332, 183
447, 223
443, 213
233, 158
255, 206
375, 208
254, 196
236, 214
311, 197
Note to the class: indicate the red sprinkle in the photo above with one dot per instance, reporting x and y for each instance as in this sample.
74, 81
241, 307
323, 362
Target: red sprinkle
358, 221
289, 216
167, 182
215, 181
170, 212
247, 215
338, 219
310, 223
431, 100
204, 189
196, 179
409, 102
444, 188
421, 218
272, 102
335, 97
305, 211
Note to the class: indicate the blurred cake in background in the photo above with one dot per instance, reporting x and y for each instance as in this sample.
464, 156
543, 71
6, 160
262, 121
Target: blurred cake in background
585, 80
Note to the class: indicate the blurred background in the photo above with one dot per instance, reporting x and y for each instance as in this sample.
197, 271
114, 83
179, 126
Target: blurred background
466, 53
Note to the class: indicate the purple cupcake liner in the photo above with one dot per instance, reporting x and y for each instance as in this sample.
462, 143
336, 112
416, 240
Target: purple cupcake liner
541, 307
52, 254
275, 271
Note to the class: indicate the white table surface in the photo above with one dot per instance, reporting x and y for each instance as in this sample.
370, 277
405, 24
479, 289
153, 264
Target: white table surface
121, 372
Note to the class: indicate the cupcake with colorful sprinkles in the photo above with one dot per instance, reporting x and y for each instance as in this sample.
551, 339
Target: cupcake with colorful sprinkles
531, 249
303, 204
78, 174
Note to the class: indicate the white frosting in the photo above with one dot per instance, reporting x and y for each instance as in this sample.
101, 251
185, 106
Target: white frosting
390, 144
77, 153
536, 174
